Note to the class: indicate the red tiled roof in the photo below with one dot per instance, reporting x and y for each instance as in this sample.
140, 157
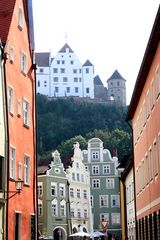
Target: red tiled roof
6, 13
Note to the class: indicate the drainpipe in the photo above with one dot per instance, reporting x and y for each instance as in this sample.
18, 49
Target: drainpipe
6, 194
35, 66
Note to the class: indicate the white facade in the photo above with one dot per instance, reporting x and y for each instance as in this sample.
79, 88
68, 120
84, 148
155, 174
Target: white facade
129, 183
79, 190
64, 75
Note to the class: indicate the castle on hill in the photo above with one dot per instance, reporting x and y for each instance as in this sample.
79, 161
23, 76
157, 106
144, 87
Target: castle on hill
65, 76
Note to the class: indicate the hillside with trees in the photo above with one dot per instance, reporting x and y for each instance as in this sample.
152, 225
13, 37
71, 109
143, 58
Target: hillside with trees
61, 122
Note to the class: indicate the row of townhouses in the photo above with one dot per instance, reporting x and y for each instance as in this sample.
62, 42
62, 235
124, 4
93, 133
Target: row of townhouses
65, 76
17, 122
87, 193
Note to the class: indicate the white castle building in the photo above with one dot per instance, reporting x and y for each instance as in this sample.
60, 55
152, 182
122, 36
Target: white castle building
64, 75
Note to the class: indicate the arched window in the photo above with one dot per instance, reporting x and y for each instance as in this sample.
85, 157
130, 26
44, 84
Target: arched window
20, 18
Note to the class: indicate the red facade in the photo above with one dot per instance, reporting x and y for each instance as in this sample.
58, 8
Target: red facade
144, 111
15, 34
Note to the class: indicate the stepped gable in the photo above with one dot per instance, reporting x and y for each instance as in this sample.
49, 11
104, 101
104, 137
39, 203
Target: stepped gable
6, 14
97, 80
87, 63
42, 59
63, 49
116, 75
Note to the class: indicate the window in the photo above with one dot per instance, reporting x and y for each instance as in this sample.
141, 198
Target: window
80, 70
58, 62
23, 63
71, 192
12, 162
62, 70
32, 227
150, 164
118, 84
78, 193
26, 112
20, 170
10, 100
74, 70
152, 94
155, 156
62, 208
87, 70
18, 108
55, 70
55, 79
157, 79
39, 83
115, 218
73, 176
62, 190
92, 204
65, 79
11, 54
54, 209
95, 155
95, 183
26, 169
78, 177
71, 62
53, 189
63, 62
68, 89
106, 169
76, 89
40, 208
103, 200
146, 169
85, 213
109, 183
56, 89
75, 79
17, 226
72, 212
79, 213
77, 164
87, 90
41, 70
85, 194
80, 79
20, 18
104, 217
115, 201
95, 170
82, 177
40, 189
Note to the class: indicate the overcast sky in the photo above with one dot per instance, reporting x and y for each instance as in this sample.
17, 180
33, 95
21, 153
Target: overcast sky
112, 34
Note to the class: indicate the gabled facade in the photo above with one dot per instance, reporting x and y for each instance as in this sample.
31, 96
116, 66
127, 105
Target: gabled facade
53, 200
105, 191
79, 190
144, 112
20, 158
64, 75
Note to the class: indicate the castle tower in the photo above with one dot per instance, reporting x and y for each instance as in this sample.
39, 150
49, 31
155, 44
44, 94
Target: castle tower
117, 88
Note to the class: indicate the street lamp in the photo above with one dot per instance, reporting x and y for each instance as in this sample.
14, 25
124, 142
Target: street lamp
18, 186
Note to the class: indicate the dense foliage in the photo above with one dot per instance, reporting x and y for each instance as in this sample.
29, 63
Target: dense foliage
60, 122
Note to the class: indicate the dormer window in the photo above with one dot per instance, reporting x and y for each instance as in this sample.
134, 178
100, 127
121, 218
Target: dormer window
20, 18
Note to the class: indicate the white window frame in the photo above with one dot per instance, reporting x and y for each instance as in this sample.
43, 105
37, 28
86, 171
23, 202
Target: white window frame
92, 201
85, 213
11, 100
95, 183
62, 190
85, 194
26, 169
72, 192
95, 155
115, 218
40, 189
23, 62
20, 18
40, 208
54, 188
26, 112
109, 183
54, 208
95, 170
104, 217
19, 111
116, 198
62, 208
12, 162
11, 54
20, 170
106, 169
103, 200
78, 193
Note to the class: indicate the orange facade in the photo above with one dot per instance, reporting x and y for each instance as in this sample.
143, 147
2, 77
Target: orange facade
144, 111
20, 82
